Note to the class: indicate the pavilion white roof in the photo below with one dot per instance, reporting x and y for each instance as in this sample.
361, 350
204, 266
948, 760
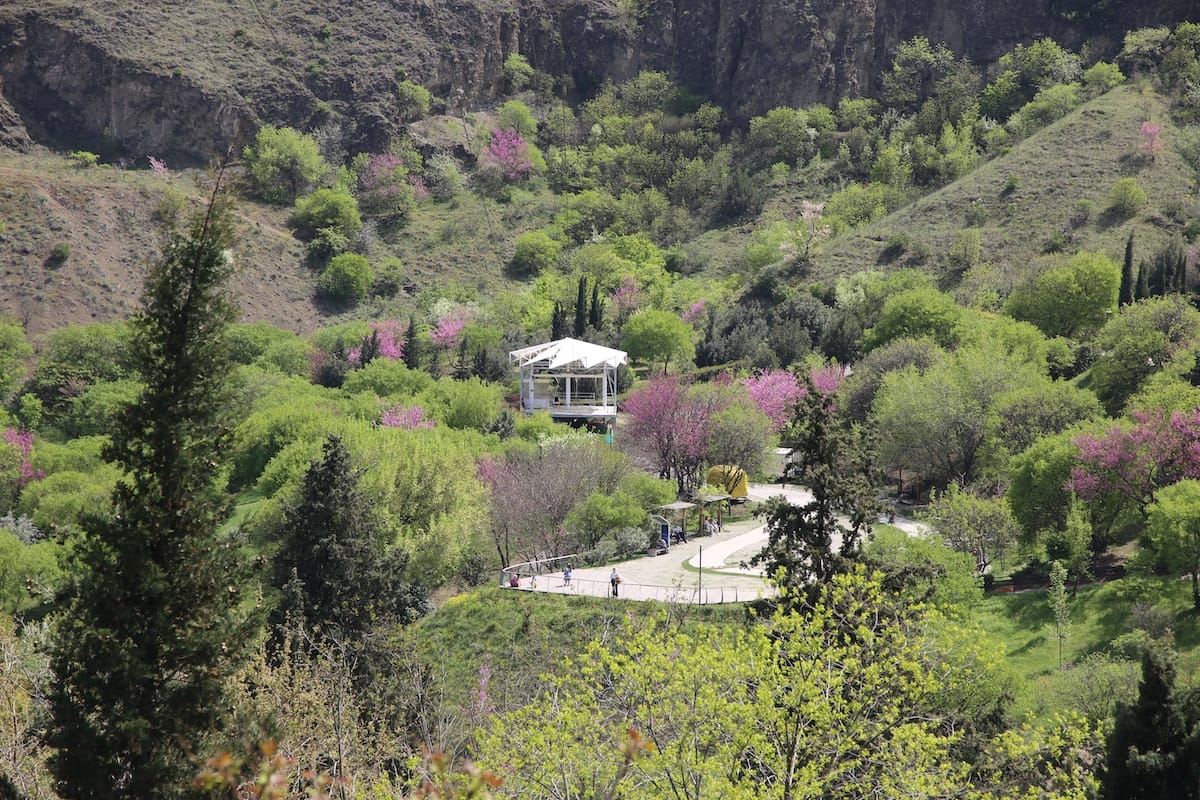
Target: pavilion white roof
570, 353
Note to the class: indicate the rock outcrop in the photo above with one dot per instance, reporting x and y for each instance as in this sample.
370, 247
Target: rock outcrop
101, 77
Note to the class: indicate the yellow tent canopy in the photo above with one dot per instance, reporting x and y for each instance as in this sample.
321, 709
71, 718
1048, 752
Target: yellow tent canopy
730, 477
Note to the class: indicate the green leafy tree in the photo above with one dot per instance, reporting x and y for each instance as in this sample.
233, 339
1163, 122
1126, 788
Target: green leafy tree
283, 164
969, 523
328, 210
1173, 530
1069, 297
1072, 547
156, 619
13, 352
1060, 605
334, 567
414, 101
917, 313
1136, 343
651, 335
1126, 197
347, 278
536, 251
808, 544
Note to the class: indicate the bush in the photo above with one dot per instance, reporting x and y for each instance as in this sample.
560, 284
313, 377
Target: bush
83, 158
328, 209
283, 164
60, 253
1100, 77
389, 278
1126, 197
442, 178
516, 116
414, 101
347, 278
517, 72
536, 251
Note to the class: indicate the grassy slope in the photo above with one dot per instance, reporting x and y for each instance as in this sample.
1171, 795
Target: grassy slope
1077, 158
107, 216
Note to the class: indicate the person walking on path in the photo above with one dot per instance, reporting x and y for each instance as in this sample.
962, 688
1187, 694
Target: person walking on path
614, 578
567, 575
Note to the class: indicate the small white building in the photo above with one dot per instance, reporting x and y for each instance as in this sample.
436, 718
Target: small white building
573, 380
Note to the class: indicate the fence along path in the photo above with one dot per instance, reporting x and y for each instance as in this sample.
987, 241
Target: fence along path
701, 571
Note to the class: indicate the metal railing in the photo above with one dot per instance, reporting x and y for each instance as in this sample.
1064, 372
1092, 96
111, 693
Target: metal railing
546, 575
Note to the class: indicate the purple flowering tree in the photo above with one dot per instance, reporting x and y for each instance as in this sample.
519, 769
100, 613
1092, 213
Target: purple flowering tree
508, 156
1135, 460
410, 418
776, 393
386, 340
384, 187
672, 427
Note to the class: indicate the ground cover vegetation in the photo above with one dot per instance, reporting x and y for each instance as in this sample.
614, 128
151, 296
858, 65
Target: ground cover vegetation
237, 552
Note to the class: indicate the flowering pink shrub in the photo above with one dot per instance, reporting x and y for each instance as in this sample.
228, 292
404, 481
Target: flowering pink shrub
390, 334
449, 327
694, 311
159, 168
409, 418
829, 378
776, 393
383, 186
1135, 460
420, 190
23, 442
508, 152
1152, 143
627, 297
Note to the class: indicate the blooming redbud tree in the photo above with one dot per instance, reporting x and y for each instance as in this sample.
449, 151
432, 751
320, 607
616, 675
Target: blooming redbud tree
409, 418
386, 340
1134, 460
508, 154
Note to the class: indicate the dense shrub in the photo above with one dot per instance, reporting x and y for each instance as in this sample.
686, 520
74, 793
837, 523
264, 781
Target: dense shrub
347, 278
283, 164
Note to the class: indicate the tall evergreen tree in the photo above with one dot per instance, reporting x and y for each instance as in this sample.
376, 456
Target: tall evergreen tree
581, 307
1127, 278
1142, 289
558, 322
837, 464
412, 356
156, 619
336, 572
1154, 747
596, 311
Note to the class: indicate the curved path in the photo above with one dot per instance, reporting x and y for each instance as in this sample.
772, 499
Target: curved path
704, 570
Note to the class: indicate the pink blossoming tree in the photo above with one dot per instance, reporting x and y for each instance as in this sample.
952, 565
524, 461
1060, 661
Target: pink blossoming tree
409, 418
776, 393
386, 340
1135, 460
1152, 143
508, 153
672, 427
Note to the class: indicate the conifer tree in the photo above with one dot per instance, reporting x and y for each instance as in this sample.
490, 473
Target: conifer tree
337, 575
1127, 278
836, 463
581, 307
412, 358
1154, 747
1142, 288
596, 311
157, 617
558, 322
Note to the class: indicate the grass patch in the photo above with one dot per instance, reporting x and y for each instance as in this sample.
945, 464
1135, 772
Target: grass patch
1099, 614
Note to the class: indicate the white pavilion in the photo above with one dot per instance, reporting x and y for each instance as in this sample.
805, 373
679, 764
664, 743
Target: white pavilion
573, 380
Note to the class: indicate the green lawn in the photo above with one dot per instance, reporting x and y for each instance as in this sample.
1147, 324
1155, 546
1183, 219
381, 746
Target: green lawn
1099, 614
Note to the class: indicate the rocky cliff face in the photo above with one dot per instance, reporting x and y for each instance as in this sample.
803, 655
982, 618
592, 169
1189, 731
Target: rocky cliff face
86, 81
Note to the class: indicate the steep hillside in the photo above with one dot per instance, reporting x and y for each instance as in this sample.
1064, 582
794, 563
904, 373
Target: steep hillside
183, 79
106, 220
1051, 191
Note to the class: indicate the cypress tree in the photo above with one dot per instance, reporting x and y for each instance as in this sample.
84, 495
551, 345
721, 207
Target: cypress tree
155, 620
1142, 290
581, 307
1127, 279
412, 356
596, 312
558, 322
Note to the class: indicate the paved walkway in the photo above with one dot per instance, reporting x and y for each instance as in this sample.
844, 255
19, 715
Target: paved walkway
702, 570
